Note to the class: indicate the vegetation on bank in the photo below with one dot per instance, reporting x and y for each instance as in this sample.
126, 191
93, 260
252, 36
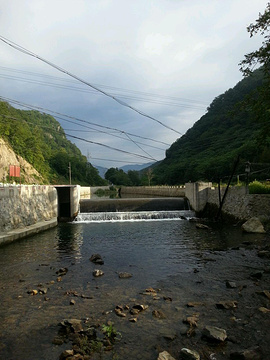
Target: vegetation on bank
257, 187
41, 141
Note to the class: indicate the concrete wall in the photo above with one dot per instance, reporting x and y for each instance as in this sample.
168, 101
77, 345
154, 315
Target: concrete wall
237, 203
25, 205
162, 191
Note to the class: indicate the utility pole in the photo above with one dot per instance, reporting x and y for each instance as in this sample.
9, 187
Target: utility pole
69, 170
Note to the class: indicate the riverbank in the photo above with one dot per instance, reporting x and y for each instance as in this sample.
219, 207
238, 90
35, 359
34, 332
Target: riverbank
15, 234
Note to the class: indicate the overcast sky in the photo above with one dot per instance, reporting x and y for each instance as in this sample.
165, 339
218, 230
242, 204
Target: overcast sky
166, 58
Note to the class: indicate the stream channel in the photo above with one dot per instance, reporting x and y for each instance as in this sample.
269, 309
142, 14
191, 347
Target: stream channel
182, 263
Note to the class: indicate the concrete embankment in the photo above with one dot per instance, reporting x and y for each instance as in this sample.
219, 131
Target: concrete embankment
238, 203
25, 210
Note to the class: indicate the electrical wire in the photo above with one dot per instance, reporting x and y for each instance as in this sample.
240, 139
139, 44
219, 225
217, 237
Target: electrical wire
30, 53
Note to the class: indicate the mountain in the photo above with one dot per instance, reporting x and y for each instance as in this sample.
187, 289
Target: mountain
230, 128
40, 140
101, 170
136, 167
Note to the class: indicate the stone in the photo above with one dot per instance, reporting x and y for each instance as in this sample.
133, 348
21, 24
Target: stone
158, 314
253, 225
140, 307
62, 271
43, 290
202, 226
191, 320
264, 310
230, 284
66, 353
75, 324
165, 356
264, 254
214, 333
96, 259
194, 304
98, 273
187, 354
119, 313
227, 304
32, 292
133, 319
124, 275
251, 354
72, 302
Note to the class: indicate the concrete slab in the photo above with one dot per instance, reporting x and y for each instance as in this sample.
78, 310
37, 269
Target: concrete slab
12, 235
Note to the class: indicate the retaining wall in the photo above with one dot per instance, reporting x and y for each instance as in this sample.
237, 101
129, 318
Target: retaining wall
25, 205
238, 203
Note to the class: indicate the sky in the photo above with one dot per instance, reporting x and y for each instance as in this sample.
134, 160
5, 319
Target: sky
128, 77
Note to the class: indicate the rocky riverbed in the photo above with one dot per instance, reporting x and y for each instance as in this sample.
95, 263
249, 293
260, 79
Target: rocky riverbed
216, 307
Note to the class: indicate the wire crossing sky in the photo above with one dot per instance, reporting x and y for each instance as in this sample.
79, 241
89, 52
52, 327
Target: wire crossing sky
30, 53
146, 61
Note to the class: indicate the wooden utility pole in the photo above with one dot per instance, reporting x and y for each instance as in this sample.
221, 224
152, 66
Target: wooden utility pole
69, 170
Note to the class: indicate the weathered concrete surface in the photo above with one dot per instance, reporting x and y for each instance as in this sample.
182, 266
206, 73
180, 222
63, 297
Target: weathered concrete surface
158, 191
16, 234
137, 204
238, 203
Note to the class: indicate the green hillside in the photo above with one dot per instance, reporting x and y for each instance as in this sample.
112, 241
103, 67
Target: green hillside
232, 127
40, 140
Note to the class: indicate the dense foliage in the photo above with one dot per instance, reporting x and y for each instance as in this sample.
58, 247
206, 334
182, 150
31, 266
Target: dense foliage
229, 129
40, 140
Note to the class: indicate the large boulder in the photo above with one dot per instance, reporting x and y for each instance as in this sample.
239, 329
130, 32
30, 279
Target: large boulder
253, 225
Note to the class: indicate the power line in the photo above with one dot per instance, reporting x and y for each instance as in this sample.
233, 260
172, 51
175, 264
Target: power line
19, 103
30, 53
85, 140
141, 93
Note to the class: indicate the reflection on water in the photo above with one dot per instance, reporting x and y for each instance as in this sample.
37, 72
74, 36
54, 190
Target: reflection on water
151, 251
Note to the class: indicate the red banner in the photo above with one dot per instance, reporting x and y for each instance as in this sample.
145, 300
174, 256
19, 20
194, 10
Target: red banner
14, 170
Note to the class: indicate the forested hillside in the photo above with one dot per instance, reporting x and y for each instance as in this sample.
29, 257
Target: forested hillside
230, 128
40, 140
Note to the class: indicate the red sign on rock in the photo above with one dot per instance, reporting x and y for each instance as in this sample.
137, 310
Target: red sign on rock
14, 170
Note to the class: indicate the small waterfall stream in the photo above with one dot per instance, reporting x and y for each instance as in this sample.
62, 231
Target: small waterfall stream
133, 216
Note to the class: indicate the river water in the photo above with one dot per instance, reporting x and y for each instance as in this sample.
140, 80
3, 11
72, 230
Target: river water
161, 254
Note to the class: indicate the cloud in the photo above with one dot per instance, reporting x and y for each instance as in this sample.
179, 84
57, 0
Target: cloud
167, 58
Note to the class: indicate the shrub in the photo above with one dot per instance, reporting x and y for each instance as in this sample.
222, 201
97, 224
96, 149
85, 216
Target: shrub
257, 187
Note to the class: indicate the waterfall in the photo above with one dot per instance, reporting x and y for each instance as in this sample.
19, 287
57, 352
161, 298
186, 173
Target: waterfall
133, 216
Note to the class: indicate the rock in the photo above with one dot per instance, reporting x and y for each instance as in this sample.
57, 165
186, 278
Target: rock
202, 226
230, 284
264, 293
165, 356
191, 320
98, 273
119, 313
187, 354
124, 275
158, 314
96, 259
62, 271
264, 310
195, 304
227, 305
253, 225
66, 353
214, 333
140, 307
133, 319
167, 298
43, 290
72, 302
32, 292
264, 254
252, 354
74, 324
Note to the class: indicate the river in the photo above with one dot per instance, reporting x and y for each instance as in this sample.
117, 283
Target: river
170, 256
